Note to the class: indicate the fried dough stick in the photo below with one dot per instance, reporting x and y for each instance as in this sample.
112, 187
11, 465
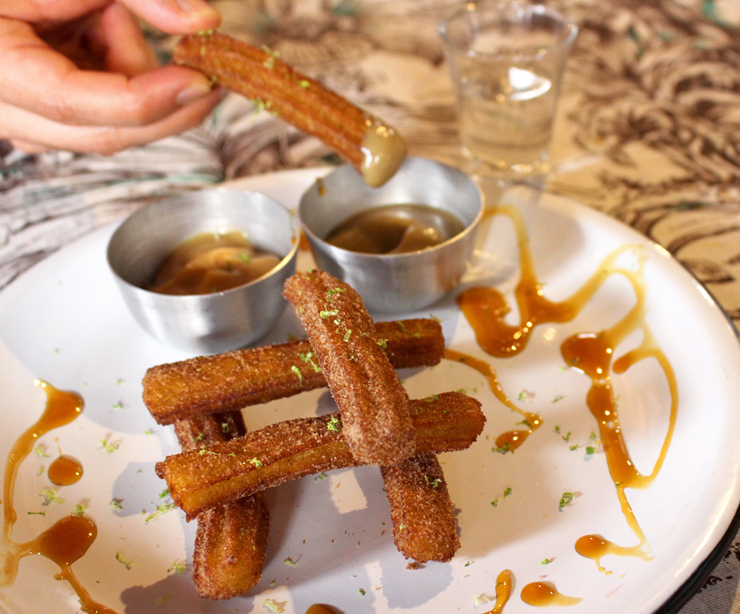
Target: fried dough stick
375, 149
295, 448
365, 387
423, 516
231, 539
233, 380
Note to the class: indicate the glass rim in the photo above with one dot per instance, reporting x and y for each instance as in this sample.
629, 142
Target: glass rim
571, 28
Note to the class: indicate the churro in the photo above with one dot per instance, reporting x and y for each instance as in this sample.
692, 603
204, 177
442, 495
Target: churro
365, 387
231, 539
423, 516
234, 380
293, 449
375, 149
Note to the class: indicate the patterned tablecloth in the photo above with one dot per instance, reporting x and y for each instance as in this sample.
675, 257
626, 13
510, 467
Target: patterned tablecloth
648, 131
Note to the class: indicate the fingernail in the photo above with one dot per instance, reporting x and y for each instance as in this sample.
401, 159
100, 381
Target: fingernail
198, 88
195, 7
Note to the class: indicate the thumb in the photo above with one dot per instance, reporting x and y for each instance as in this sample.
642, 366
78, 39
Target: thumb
176, 16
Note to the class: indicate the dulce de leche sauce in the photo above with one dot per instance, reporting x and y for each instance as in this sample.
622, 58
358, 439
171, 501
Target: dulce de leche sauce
212, 262
395, 229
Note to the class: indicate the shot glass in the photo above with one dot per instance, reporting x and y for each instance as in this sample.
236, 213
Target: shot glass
506, 61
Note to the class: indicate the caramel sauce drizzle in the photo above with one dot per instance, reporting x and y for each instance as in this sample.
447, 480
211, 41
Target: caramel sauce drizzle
541, 594
503, 591
65, 471
69, 538
512, 439
591, 353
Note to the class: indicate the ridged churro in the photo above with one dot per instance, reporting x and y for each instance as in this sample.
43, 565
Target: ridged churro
423, 516
231, 539
234, 380
293, 449
365, 387
375, 149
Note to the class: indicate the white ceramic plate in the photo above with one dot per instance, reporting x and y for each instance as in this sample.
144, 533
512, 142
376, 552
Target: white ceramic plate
64, 322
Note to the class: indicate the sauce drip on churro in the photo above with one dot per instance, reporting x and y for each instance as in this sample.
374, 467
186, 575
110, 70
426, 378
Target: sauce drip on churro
503, 591
395, 229
212, 262
541, 594
591, 353
65, 471
383, 151
67, 540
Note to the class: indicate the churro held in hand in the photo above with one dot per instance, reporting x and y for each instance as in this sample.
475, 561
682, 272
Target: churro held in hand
375, 149
374, 406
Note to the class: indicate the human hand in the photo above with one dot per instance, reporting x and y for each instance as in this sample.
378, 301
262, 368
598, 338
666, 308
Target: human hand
79, 75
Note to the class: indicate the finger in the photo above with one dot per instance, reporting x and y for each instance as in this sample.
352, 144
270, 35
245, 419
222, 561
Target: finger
176, 16
38, 79
28, 147
41, 134
127, 51
171, 16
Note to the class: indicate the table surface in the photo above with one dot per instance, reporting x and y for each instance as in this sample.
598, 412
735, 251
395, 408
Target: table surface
648, 131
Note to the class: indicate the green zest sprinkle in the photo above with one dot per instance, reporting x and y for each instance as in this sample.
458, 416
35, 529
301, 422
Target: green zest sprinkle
431, 398
36, 513
401, 325
308, 357
574, 447
567, 437
558, 397
274, 606
347, 335
290, 562
502, 450
433, 483
225, 428
244, 257
124, 562
116, 504
177, 567
200, 437
590, 450
362, 592
557, 430
329, 314
334, 425
507, 492
297, 371
79, 510
494, 503
109, 447
164, 493
160, 511
50, 496
330, 293
304, 84
118, 406
40, 452
321, 476
566, 499
256, 462
545, 561
383, 343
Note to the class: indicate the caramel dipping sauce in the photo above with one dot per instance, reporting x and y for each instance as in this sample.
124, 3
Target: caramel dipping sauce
212, 262
395, 229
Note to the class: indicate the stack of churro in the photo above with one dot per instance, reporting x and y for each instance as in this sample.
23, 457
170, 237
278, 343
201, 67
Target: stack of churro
223, 470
